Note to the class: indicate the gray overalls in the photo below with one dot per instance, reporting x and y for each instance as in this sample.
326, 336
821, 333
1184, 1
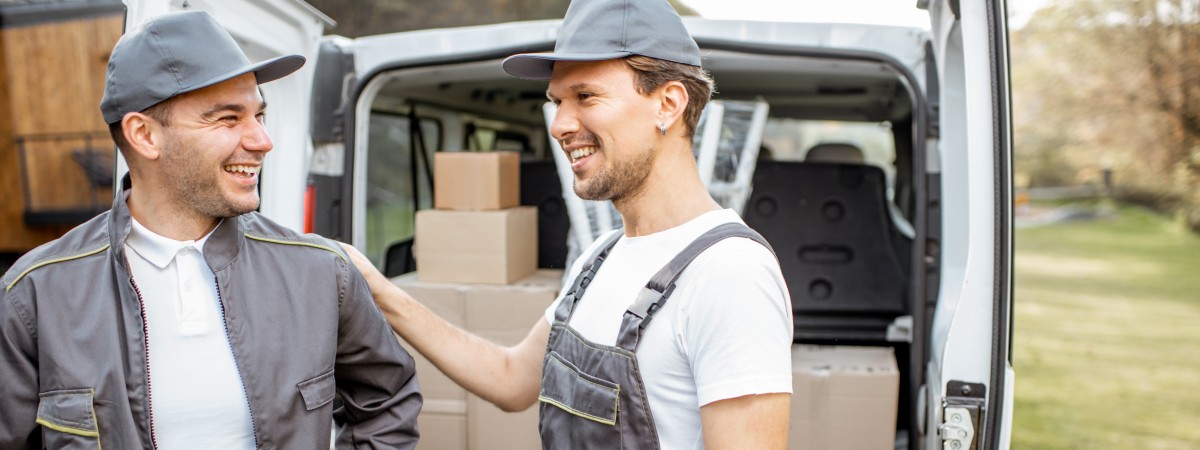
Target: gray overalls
592, 395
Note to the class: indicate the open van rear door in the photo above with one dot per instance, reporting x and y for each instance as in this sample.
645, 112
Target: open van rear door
970, 385
266, 29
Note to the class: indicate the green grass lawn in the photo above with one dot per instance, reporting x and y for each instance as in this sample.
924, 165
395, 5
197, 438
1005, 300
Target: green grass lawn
1107, 335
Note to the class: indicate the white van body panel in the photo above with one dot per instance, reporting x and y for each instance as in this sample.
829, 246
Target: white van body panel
964, 320
374, 53
266, 29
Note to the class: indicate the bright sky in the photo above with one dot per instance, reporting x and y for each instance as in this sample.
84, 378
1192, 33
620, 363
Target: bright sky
884, 12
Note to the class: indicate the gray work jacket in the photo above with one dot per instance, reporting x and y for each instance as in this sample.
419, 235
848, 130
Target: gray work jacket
300, 319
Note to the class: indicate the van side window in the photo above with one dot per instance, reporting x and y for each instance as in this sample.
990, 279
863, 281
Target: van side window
398, 182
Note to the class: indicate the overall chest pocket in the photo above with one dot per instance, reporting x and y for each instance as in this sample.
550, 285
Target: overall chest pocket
577, 410
68, 419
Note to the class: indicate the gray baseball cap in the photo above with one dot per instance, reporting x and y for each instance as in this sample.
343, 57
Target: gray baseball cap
596, 30
176, 53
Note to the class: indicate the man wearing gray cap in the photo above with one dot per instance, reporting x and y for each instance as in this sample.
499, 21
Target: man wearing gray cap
181, 318
713, 369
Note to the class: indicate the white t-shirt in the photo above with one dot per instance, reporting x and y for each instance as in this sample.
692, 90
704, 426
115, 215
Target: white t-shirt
196, 393
725, 332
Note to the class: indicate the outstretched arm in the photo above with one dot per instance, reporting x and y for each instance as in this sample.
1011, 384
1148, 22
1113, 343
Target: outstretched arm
508, 377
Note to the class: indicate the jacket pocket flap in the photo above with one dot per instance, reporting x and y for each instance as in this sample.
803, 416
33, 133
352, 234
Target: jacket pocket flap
317, 391
68, 411
568, 388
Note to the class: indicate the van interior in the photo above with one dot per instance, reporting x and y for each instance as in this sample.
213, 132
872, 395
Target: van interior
834, 187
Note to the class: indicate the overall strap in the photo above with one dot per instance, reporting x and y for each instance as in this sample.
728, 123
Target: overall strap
566, 307
662, 284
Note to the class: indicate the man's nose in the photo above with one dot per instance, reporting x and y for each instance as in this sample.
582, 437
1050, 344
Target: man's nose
565, 123
256, 138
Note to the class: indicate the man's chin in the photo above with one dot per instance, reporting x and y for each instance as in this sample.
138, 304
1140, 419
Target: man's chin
241, 207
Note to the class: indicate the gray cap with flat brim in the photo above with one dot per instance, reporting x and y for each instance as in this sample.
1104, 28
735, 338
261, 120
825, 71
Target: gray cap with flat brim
174, 54
597, 30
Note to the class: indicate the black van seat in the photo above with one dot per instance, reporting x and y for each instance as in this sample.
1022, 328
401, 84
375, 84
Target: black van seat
838, 152
835, 152
541, 187
845, 264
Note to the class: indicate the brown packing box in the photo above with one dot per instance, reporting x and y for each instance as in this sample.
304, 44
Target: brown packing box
514, 307
449, 302
476, 181
497, 247
843, 398
478, 307
443, 425
489, 427
502, 314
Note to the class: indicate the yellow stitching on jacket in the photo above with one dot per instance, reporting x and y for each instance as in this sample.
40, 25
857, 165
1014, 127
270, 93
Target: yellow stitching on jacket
92, 406
52, 261
65, 429
305, 244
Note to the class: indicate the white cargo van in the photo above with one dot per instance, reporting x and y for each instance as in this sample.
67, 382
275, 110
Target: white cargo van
883, 178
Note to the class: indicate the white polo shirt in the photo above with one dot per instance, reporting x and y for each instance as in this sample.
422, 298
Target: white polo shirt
196, 394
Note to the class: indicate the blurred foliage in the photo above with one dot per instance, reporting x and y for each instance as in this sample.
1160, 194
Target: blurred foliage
1112, 84
370, 17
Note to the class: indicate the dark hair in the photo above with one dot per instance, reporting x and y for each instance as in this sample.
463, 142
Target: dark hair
160, 112
652, 73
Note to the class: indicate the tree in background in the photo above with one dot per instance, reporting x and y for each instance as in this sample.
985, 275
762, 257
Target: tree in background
1113, 83
370, 17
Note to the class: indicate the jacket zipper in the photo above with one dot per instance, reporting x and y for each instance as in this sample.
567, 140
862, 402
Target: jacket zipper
236, 366
146, 341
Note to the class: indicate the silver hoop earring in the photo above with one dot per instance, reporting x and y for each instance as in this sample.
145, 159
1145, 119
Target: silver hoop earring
662, 129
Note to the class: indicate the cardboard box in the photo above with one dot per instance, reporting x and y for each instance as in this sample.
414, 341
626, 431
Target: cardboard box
475, 181
447, 300
435, 385
489, 427
443, 426
843, 398
476, 246
477, 308
513, 307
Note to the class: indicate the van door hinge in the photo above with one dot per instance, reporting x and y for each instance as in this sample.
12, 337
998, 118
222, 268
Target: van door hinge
962, 411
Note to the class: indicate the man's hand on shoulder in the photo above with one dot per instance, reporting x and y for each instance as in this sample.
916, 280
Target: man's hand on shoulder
375, 279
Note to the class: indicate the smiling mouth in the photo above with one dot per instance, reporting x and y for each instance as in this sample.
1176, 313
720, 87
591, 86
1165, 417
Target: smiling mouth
242, 170
582, 152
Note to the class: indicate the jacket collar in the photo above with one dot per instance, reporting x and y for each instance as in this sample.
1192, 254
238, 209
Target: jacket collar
221, 247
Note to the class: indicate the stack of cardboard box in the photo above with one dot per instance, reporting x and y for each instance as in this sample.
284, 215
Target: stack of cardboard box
452, 418
476, 258
477, 232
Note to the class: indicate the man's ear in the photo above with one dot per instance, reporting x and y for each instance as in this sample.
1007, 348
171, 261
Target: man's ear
673, 100
144, 135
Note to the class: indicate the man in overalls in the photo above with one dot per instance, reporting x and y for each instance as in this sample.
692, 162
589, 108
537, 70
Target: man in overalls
713, 368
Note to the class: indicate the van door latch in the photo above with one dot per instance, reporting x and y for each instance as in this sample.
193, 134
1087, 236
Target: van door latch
957, 431
962, 412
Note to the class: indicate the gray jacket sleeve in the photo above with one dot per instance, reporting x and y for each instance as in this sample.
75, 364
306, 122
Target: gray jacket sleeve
18, 372
376, 377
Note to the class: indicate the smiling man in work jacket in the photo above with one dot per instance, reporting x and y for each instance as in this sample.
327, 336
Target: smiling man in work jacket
181, 318
676, 332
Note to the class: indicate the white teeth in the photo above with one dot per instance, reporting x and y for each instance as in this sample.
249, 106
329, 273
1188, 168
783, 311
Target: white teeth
581, 152
251, 170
